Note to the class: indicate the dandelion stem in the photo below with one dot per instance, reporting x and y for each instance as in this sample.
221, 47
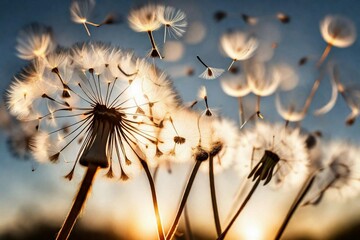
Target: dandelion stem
302, 193
241, 111
154, 51
242, 187
232, 62
258, 102
213, 196
324, 55
189, 235
223, 234
189, 184
312, 94
154, 198
78, 203
201, 61
87, 29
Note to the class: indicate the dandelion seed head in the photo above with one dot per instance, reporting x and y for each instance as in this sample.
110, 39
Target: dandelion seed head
238, 45
263, 79
339, 178
80, 10
145, 18
173, 20
35, 41
338, 31
235, 85
223, 144
288, 144
181, 124
109, 118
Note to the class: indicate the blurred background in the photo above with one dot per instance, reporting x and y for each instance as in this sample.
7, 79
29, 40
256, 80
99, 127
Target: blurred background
34, 198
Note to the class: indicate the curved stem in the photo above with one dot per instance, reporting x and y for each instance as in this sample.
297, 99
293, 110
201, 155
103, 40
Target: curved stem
304, 190
154, 198
223, 234
189, 184
78, 203
213, 196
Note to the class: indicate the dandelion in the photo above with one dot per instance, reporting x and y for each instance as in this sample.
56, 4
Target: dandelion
212, 142
19, 133
236, 86
35, 41
339, 171
276, 152
263, 80
290, 115
350, 93
210, 72
238, 45
80, 11
145, 19
106, 116
174, 21
337, 31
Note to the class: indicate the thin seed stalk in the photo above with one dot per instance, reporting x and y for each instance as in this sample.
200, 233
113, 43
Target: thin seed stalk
154, 199
241, 111
213, 196
324, 55
302, 193
184, 198
78, 204
188, 232
246, 200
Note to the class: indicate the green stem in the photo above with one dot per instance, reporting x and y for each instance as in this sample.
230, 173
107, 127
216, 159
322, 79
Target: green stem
304, 190
189, 184
78, 203
154, 198
213, 196
223, 234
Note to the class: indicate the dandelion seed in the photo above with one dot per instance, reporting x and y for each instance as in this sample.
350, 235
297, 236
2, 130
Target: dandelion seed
210, 72
262, 80
249, 19
288, 114
145, 19
35, 41
236, 86
238, 45
80, 11
283, 18
337, 31
219, 16
174, 21
303, 61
